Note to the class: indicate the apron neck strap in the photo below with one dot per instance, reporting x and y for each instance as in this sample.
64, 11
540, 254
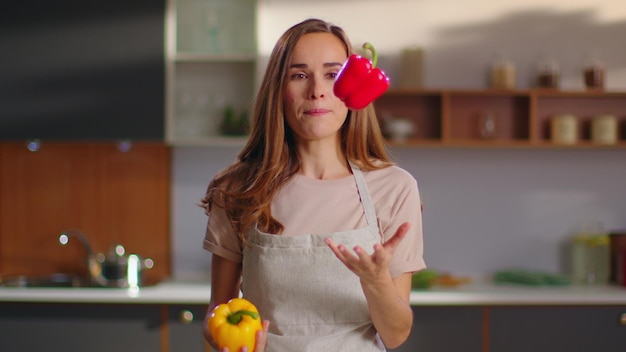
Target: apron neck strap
366, 200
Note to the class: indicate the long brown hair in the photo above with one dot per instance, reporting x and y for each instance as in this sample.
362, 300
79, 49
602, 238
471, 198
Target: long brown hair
246, 188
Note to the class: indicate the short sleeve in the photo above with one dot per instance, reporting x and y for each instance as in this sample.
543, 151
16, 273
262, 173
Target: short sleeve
220, 238
398, 201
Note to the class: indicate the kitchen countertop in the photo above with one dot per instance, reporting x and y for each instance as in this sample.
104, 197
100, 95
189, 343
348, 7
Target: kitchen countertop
476, 293
487, 293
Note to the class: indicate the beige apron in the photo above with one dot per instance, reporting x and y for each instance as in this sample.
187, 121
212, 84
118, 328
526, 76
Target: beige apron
313, 302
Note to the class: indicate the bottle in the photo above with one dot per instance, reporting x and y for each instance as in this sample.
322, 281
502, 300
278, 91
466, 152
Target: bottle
617, 245
579, 259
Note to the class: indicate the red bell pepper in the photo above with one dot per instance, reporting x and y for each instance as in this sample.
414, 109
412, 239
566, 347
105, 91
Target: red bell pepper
359, 83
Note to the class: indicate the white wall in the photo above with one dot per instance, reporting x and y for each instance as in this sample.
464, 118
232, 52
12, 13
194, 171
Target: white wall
484, 209
462, 37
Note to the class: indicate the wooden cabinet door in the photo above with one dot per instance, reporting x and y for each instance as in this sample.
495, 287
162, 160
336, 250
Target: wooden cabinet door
79, 327
109, 192
572, 329
443, 329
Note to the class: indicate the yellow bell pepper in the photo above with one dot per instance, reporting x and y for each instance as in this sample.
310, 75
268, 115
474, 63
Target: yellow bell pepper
234, 324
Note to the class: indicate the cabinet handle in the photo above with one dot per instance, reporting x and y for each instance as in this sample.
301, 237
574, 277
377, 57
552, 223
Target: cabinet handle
622, 319
186, 317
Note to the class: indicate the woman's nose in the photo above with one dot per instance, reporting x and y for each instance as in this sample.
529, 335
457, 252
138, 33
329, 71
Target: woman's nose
317, 89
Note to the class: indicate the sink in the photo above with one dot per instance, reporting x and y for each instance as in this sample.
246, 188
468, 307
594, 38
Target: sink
53, 280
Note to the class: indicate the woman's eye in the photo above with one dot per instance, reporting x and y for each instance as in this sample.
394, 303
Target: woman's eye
296, 76
333, 75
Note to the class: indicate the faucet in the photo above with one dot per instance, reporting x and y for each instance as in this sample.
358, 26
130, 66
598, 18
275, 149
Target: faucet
93, 266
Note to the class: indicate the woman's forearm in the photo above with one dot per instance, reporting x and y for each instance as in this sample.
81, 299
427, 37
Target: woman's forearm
388, 302
225, 278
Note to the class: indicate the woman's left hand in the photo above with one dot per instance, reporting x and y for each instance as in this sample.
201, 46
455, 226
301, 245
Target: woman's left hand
368, 267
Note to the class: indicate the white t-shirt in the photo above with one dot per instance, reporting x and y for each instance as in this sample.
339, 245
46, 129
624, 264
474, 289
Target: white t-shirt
311, 206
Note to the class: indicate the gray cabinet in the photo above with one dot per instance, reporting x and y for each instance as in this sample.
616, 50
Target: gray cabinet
101, 327
79, 327
517, 329
185, 328
443, 329
562, 328
178, 327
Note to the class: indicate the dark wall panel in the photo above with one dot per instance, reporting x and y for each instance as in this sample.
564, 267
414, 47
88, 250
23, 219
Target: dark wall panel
82, 69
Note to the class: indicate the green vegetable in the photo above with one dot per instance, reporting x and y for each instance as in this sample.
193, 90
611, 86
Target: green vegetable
423, 279
233, 124
529, 277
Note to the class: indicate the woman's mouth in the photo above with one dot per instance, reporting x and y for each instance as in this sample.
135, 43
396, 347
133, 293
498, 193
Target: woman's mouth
317, 112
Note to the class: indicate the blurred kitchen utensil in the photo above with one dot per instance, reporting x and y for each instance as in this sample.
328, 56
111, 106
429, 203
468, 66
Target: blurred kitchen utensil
114, 269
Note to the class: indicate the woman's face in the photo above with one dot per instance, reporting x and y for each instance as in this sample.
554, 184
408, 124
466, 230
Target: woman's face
312, 110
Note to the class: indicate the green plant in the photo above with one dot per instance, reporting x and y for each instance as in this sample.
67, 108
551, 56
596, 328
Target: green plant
234, 124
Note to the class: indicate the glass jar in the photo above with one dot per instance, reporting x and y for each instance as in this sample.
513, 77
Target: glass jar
564, 129
502, 73
599, 259
590, 256
548, 74
593, 74
579, 259
604, 129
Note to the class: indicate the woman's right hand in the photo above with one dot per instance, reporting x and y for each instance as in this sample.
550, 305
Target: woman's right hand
261, 340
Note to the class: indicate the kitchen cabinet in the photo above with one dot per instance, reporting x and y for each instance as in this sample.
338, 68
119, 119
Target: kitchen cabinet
495, 328
102, 327
496, 319
211, 59
443, 329
185, 324
112, 192
498, 118
562, 328
77, 71
79, 328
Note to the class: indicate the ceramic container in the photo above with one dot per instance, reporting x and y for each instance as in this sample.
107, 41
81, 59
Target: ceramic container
604, 129
564, 129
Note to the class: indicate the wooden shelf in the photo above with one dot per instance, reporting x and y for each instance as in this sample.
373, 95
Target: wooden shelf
448, 117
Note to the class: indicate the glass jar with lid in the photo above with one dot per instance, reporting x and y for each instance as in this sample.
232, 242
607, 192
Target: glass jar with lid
590, 256
594, 74
579, 258
502, 73
547, 74
599, 259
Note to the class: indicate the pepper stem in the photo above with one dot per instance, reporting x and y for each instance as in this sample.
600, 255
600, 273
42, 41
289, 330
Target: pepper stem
235, 317
370, 47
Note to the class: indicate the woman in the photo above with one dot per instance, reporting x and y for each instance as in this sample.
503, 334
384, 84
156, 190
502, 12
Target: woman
292, 220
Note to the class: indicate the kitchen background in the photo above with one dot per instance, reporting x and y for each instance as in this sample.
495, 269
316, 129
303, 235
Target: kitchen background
484, 208
83, 76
